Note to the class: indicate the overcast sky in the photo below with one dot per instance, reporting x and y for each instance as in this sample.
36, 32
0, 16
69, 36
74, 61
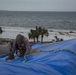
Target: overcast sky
38, 5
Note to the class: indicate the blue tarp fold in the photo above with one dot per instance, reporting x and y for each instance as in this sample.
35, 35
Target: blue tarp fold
58, 62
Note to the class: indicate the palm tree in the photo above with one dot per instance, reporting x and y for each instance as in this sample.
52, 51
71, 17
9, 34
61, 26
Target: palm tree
37, 34
44, 32
40, 30
32, 35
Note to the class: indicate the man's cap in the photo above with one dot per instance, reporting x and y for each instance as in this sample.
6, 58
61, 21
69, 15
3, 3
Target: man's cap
19, 37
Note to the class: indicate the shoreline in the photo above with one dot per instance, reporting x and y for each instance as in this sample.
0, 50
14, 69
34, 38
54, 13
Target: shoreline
11, 32
17, 27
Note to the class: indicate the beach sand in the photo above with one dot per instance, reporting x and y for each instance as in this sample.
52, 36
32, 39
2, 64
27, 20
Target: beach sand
4, 49
11, 33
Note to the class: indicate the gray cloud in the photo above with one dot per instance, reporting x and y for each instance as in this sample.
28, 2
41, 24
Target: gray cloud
38, 5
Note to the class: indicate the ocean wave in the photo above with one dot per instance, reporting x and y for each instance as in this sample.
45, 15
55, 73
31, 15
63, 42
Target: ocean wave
8, 28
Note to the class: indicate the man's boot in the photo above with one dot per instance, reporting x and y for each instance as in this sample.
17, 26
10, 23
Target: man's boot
10, 56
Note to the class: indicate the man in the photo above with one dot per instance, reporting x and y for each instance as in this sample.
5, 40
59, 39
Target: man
20, 46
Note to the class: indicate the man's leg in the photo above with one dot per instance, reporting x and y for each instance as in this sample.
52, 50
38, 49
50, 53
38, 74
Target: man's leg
10, 54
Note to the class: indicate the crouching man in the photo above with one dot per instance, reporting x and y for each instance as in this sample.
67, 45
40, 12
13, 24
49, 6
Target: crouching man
20, 46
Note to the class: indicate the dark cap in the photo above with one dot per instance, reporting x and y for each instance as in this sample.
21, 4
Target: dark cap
19, 37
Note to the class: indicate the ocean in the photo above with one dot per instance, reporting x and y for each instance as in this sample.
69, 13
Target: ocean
52, 20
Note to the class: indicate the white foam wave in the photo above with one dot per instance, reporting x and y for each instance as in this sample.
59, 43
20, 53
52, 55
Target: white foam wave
7, 28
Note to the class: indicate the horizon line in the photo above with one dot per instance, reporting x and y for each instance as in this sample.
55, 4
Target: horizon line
34, 11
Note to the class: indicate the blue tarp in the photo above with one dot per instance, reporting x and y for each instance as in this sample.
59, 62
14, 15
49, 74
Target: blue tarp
58, 62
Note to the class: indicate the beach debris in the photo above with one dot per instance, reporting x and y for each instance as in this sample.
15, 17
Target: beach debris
1, 30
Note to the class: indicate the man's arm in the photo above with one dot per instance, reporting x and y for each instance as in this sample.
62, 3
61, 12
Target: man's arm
27, 45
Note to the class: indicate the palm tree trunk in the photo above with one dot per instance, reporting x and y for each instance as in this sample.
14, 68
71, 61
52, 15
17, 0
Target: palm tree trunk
37, 39
41, 39
34, 40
